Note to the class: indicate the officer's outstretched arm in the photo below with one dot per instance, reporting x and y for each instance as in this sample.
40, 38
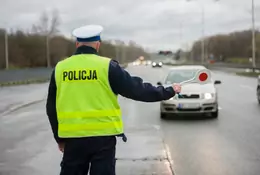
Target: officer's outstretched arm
134, 88
51, 108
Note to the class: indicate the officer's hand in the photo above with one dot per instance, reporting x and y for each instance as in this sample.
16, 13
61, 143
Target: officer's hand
61, 146
176, 88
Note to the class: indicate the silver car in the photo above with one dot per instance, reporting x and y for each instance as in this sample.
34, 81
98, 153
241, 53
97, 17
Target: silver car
258, 89
195, 98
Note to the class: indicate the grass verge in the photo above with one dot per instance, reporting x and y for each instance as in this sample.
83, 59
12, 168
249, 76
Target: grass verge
248, 74
32, 81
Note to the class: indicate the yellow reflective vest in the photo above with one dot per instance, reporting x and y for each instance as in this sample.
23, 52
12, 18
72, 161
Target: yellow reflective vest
86, 105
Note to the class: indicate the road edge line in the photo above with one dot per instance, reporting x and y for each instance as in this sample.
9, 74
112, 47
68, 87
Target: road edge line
21, 106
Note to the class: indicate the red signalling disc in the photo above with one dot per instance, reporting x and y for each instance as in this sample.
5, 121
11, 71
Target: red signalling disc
203, 77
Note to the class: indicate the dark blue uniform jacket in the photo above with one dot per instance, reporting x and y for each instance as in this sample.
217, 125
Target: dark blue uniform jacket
121, 82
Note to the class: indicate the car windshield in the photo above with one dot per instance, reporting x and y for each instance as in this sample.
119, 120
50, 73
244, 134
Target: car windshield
180, 75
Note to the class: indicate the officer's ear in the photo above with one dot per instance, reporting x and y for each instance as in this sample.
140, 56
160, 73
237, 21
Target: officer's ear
98, 46
77, 44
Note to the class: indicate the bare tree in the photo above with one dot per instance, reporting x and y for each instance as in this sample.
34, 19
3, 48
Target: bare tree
43, 26
54, 23
27, 47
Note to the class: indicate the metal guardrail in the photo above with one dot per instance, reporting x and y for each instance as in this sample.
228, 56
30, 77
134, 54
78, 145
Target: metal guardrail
26, 76
232, 65
220, 65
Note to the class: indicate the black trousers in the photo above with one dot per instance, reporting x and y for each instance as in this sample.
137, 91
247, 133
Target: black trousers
95, 155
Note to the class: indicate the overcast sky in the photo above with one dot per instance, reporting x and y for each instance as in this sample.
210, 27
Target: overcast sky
155, 24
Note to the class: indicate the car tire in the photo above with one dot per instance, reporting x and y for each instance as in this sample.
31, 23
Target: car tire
214, 114
163, 115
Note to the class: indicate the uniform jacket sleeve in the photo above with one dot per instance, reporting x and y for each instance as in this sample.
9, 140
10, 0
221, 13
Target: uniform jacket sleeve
51, 108
134, 88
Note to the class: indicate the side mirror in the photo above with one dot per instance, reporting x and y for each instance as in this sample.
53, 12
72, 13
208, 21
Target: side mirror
217, 82
159, 83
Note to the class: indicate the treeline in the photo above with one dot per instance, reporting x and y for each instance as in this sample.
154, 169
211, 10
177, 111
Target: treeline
43, 46
226, 46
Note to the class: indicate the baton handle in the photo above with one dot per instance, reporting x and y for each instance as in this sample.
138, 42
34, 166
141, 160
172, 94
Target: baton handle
179, 95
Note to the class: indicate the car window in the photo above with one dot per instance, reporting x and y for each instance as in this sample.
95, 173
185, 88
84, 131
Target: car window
178, 76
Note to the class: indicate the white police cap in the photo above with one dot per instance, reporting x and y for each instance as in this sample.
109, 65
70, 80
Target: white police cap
88, 33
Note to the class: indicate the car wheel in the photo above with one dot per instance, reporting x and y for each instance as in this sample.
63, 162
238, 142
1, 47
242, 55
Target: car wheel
258, 94
214, 114
163, 115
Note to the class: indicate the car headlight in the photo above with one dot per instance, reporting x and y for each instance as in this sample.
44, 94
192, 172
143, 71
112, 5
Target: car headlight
160, 63
208, 96
154, 64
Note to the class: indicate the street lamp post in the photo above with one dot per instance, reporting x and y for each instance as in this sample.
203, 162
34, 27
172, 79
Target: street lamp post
203, 35
6, 50
180, 27
253, 37
48, 58
202, 32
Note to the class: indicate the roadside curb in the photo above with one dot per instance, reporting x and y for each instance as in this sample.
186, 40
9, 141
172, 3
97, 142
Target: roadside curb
30, 81
169, 158
15, 108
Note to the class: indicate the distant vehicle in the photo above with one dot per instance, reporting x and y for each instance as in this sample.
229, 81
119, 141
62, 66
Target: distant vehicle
148, 62
258, 89
195, 98
136, 63
157, 64
143, 62
167, 52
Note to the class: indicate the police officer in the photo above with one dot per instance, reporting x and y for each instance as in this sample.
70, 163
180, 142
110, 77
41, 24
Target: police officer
82, 105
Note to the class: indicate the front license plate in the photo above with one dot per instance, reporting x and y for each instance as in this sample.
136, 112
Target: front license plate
189, 105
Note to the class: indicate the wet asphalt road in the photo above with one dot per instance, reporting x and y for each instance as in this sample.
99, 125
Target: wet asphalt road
228, 145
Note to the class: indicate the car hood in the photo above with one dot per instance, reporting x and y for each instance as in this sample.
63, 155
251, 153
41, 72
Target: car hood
198, 88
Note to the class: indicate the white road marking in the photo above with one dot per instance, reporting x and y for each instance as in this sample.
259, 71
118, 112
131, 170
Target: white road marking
247, 87
157, 127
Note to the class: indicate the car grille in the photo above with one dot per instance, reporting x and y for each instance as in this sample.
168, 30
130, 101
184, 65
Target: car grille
189, 110
191, 96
